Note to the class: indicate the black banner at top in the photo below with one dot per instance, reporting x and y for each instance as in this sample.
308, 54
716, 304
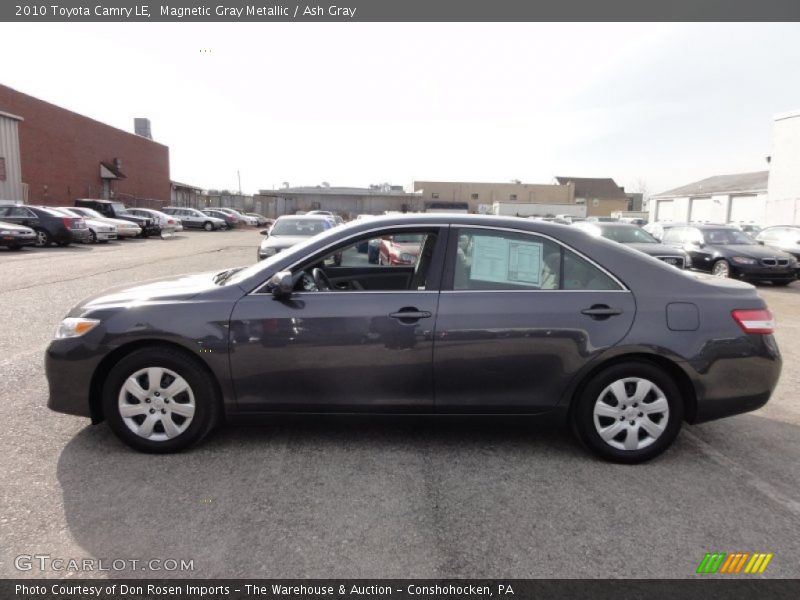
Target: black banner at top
398, 10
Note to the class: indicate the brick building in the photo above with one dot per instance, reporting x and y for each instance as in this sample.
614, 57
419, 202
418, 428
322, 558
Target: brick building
64, 156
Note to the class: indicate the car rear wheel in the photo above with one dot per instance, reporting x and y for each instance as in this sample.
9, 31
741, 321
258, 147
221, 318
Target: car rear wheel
43, 238
208, 226
160, 400
721, 268
629, 413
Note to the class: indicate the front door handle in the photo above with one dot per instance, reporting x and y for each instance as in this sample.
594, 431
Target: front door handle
410, 314
601, 311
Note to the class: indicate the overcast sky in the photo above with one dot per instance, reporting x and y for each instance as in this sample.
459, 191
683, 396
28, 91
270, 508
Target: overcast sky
354, 104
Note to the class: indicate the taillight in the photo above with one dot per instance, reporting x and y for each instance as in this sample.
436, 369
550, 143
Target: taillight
67, 222
754, 321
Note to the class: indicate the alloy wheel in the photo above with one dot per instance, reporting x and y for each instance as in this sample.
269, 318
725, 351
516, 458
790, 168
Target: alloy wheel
721, 269
156, 404
41, 239
631, 413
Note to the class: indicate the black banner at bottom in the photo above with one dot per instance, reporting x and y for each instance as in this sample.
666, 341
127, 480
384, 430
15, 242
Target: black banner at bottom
399, 589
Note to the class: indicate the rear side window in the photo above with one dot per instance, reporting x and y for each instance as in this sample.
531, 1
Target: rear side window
499, 260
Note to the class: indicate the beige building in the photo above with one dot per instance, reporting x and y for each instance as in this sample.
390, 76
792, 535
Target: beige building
479, 197
601, 195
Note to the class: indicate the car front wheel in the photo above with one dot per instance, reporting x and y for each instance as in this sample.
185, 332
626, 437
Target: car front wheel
721, 268
629, 412
208, 226
160, 400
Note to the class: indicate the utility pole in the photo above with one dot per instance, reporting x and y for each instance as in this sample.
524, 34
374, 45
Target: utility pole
239, 176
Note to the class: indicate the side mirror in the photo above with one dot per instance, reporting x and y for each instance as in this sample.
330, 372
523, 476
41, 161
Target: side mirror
264, 232
281, 284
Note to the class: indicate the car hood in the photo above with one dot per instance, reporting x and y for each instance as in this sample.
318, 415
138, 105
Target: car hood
98, 223
748, 250
657, 249
282, 242
117, 222
169, 289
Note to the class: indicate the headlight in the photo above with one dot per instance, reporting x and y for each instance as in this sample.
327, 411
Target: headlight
75, 327
406, 257
7, 232
743, 260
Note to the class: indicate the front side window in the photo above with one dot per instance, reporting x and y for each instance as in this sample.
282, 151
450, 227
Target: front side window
494, 260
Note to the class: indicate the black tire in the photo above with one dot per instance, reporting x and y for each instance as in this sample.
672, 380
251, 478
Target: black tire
43, 238
208, 409
208, 226
583, 418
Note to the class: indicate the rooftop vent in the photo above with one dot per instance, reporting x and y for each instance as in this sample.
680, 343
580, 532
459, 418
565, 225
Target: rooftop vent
142, 128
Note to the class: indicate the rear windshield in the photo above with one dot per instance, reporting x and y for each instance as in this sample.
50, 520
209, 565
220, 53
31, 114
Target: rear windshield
299, 227
628, 235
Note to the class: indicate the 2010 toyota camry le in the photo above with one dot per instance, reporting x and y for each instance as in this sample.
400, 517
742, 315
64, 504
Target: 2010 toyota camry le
495, 315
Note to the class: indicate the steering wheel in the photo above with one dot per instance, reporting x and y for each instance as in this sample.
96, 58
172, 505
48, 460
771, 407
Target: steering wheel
321, 280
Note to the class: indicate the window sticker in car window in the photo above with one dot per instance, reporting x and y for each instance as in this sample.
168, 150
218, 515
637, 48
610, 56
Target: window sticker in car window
503, 260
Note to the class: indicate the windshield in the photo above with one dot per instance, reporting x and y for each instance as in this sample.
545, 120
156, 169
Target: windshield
299, 227
628, 235
119, 207
726, 237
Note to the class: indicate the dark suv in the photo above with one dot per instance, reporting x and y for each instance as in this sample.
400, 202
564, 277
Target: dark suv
117, 210
50, 226
728, 252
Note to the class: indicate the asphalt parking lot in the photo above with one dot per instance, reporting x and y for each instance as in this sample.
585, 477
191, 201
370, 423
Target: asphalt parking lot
369, 496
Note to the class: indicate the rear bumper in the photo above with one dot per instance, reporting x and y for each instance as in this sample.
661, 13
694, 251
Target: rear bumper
79, 235
735, 377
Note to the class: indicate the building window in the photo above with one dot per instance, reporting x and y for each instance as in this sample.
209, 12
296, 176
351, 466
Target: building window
513, 197
474, 196
435, 195
2, 168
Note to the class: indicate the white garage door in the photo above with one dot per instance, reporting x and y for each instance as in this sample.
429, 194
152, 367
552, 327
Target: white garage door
700, 209
745, 208
664, 210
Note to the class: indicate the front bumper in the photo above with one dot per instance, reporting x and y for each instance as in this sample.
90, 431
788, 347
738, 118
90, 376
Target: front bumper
69, 366
18, 240
105, 236
759, 272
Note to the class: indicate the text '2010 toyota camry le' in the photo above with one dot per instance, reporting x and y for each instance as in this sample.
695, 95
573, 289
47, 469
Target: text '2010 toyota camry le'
494, 315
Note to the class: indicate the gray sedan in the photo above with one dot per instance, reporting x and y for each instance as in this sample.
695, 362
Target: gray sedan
495, 315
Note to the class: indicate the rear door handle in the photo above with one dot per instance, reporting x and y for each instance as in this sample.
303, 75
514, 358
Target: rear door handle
601, 311
410, 314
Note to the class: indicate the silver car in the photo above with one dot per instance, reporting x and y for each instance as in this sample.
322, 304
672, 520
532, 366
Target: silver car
125, 229
191, 217
168, 223
783, 237
99, 230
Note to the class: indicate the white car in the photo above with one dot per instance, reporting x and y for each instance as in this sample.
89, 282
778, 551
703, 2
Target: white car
125, 229
168, 223
99, 230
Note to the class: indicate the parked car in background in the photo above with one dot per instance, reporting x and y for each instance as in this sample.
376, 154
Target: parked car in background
728, 252
783, 237
230, 220
602, 219
125, 229
290, 230
99, 230
117, 210
261, 220
15, 237
51, 227
750, 229
168, 223
529, 317
193, 218
657, 229
635, 237
399, 249
240, 217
